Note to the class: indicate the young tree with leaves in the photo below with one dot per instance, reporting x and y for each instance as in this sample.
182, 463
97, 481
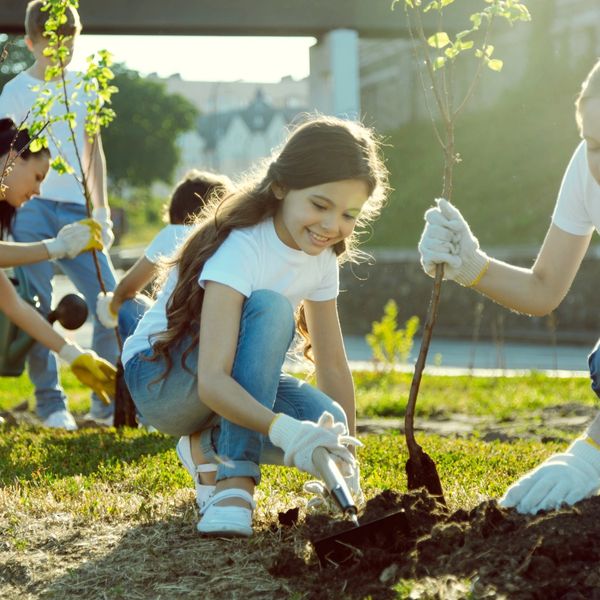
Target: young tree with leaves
439, 53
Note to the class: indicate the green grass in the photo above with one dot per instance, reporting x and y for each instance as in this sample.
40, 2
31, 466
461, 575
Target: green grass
129, 468
499, 398
378, 395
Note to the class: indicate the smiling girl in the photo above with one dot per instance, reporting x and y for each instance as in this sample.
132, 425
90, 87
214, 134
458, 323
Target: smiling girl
206, 362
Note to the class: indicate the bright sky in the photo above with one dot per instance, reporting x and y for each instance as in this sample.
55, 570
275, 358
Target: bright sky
264, 59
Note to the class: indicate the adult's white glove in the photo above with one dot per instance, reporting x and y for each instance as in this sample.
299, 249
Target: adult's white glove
322, 498
102, 215
298, 440
447, 239
563, 478
104, 312
75, 238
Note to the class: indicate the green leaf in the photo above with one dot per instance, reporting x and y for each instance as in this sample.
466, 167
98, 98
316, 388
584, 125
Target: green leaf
36, 145
439, 62
495, 64
60, 165
438, 40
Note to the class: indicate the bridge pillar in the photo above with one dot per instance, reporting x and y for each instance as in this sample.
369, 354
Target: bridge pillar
334, 74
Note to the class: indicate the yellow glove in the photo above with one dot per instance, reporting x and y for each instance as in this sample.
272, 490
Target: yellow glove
95, 241
91, 370
75, 238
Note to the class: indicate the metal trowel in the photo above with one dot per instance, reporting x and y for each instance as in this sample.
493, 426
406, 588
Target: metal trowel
343, 546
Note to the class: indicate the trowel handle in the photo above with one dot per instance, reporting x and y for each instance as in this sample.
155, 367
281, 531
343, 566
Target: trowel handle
334, 480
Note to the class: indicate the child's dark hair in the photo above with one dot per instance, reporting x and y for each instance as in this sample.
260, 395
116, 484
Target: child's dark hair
320, 150
17, 141
192, 192
36, 17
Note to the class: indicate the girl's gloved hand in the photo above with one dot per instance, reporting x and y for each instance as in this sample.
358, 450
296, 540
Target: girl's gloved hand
104, 312
298, 440
75, 238
563, 478
102, 215
91, 370
322, 498
447, 239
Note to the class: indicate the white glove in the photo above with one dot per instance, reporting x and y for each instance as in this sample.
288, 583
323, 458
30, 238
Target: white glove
322, 497
562, 478
102, 215
104, 312
447, 239
73, 239
298, 440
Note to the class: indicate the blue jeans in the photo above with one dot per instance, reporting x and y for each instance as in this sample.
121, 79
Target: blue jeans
130, 314
172, 404
594, 365
37, 220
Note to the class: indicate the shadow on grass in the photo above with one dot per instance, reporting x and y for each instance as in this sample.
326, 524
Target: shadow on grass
167, 559
28, 452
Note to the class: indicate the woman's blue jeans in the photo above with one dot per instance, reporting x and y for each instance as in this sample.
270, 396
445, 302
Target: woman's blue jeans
40, 219
172, 405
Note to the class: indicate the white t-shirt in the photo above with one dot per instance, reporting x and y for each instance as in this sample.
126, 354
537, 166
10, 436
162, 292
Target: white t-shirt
577, 209
249, 259
166, 241
16, 100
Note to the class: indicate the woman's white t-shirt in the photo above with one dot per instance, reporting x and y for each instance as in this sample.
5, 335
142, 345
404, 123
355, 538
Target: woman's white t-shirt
577, 209
250, 259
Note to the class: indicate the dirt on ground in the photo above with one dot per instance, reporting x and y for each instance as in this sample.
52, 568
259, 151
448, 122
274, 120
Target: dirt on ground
488, 552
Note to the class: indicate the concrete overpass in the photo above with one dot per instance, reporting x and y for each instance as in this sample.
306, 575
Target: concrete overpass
369, 18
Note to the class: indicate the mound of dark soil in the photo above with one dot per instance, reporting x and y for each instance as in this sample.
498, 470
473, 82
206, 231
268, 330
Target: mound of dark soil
550, 555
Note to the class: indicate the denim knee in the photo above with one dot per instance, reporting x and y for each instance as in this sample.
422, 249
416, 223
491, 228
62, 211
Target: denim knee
594, 366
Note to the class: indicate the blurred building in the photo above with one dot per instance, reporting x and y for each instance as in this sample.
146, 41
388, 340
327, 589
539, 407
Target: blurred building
391, 91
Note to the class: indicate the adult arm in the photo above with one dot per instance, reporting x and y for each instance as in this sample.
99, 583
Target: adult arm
447, 239
96, 171
540, 289
13, 254
27, 318
96, 178
334, 377
70, 241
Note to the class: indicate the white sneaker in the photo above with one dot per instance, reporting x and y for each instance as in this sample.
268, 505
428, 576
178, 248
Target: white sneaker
61, 419
106, 421
227, 521
204, 491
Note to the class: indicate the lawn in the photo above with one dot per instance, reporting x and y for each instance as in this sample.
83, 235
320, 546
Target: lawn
111, 514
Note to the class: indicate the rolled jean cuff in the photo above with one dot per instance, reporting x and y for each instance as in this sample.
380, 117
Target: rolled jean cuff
208, 445
238, 468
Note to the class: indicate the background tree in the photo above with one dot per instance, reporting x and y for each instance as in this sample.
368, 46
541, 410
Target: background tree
141, 146
17, 58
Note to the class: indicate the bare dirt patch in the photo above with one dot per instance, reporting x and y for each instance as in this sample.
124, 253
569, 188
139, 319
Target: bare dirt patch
487, 552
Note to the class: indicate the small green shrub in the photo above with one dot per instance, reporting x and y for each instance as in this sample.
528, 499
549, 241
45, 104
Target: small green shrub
389, 343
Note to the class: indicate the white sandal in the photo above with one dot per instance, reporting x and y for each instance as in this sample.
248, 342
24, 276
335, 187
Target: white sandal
227, 521
203, 491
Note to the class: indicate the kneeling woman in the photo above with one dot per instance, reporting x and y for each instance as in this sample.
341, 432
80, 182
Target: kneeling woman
21, 173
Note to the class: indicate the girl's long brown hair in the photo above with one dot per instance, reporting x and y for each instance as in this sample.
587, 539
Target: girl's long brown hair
319, 150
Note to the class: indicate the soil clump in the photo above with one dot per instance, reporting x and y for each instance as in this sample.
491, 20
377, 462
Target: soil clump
500, 553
